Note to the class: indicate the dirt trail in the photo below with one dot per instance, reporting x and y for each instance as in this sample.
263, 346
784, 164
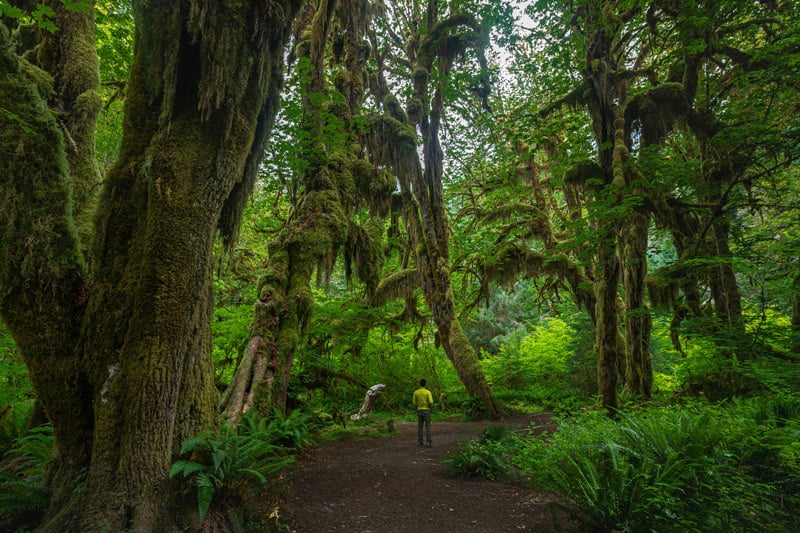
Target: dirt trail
392, 485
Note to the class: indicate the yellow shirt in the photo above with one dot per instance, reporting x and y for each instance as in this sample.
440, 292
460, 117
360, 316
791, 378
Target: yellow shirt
423, 399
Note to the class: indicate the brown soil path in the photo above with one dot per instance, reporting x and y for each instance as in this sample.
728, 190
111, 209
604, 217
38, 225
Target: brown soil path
391, 485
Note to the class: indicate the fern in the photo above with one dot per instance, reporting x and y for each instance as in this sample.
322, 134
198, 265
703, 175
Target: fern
237, 468
695, 468
22, 489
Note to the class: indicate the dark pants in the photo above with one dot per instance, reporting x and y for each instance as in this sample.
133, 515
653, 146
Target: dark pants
424, 417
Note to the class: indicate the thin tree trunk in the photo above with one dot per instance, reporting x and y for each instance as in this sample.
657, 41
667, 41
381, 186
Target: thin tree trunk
795, 338
725, 290
608, 353
430, 233
606, 102
638, 364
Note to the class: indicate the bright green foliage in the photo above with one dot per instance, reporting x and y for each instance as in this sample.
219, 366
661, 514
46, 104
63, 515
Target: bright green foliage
23, 492
16, 393
682, 468
541, 367
480, 459
229, 337
114, 27
701, 373
239, 469
352, 346
291, 432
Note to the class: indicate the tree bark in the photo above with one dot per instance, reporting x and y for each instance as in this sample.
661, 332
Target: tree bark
606, 101
43, 276
608, 353
69, 56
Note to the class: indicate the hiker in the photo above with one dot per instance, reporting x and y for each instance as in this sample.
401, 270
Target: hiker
422, 402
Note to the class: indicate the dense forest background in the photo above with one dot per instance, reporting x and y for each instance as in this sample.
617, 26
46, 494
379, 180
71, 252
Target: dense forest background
246, 214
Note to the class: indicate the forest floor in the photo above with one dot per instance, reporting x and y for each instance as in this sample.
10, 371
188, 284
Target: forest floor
390, 484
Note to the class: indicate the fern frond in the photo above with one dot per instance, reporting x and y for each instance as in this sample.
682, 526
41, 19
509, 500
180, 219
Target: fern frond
187, 468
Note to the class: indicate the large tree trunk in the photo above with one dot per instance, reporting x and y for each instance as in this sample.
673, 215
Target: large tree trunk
124, 396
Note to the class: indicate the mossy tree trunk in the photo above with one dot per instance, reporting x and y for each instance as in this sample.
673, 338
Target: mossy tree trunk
43, 275
638, 323
432, 48
68, 55
605, 102
795, 340
334, 182
122, 363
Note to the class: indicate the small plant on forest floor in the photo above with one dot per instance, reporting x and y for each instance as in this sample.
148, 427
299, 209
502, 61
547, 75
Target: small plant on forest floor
487, 457
241, 471
474, 409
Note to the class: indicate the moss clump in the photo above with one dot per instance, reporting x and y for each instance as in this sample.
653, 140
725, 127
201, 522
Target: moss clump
38, 237
584, 171
40, 79
395, 110
656, 111
415, 110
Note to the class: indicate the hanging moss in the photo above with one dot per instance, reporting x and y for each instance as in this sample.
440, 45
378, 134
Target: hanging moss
441, 40
415, 110
364, 254
420, 79
400, 134
397, 285
584, 171
656, 111
661, 290
395, 110
374, 185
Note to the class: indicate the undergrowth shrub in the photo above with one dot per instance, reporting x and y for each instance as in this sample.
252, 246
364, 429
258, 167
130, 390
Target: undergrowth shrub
687, 468
23, 494
489, 456
239, 471
671, 469
16, 392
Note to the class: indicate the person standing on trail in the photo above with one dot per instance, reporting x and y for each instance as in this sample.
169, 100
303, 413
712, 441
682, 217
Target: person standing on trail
422, 402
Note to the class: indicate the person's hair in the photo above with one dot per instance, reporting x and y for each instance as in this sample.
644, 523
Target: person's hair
422, 383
